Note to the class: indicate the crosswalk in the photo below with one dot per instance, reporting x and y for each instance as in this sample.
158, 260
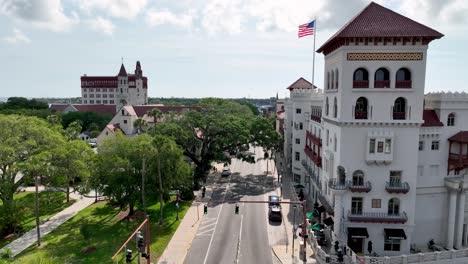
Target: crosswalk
207, 227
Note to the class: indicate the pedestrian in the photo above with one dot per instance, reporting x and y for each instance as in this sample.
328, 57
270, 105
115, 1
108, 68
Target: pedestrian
301, 195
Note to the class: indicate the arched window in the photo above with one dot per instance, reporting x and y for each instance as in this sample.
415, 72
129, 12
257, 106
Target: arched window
341, 174
336, 79
328, 80
332, 84
451, 119
326, 106
360, 110
399, 109
358, 178
335, 108
382, 78
361, 78
403, 78
394, 206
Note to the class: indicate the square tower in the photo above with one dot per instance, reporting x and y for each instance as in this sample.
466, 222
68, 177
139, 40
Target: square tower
373, 108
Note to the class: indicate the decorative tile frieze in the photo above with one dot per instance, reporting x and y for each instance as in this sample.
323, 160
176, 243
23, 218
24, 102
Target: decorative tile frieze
385, 56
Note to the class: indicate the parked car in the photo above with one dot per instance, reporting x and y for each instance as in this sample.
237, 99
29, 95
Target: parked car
226, 171
274, 213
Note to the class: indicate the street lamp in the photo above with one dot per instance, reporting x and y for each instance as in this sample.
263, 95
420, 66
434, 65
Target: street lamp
177, 204
294, 229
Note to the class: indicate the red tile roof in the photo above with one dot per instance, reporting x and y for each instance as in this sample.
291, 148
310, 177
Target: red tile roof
58, 107
431, 119
461, 136
301, 83
122, 71
378, 21
141, 110
102, 109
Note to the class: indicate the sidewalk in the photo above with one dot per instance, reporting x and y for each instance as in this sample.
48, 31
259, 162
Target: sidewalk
284, 252
181, 241
29, 238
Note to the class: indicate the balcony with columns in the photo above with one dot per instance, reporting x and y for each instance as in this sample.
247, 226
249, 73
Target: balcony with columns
338, 185
375, 217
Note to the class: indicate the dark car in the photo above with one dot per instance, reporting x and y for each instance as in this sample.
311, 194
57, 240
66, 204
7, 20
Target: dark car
226, 172
274, 214
273, 200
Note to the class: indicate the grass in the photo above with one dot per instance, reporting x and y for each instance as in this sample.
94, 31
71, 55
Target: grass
50, 203
63, 245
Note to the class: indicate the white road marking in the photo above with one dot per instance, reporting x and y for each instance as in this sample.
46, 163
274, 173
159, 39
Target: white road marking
240, 238
203, 227
206, 231
217, 219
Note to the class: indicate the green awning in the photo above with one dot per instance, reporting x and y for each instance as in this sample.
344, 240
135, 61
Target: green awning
310, 215
299, 186
316, 227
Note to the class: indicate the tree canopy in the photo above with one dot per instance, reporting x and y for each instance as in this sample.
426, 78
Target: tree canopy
216, 129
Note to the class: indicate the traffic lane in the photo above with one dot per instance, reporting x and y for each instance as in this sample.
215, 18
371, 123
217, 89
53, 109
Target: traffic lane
209, 222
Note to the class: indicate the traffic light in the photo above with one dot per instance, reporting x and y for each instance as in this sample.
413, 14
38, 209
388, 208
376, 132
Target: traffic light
140, 242
237, 209
205, 209
128, 255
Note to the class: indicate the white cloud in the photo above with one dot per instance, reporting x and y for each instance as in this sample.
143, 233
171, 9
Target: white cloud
223, 16
17, 37
155, 17
47, 14
103, 25
128, 9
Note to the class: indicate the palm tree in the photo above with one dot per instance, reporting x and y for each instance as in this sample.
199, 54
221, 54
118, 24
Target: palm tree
140, 125
155, 113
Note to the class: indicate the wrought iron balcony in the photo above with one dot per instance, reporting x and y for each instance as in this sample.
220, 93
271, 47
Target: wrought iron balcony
397, 187
336, 184
365, 187
316, 118
361, 84
399, 115
371, 217
403, 84
360, 115
382, 84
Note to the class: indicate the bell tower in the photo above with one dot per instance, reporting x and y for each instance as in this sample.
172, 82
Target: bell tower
122, 95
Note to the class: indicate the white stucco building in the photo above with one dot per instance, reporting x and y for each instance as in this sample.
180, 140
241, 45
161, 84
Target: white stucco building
386, 161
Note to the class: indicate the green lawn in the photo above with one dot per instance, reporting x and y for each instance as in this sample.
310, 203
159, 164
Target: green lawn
50, 203
63, 245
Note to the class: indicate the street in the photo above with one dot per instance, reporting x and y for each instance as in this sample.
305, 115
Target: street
226, 237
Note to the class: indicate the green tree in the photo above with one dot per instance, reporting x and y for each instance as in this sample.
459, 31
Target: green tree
140, 124
264, 134
21, 139
70, 165
89, 121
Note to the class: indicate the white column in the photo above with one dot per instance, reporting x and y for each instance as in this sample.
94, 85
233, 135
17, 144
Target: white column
451, 217
338, 213
460, 219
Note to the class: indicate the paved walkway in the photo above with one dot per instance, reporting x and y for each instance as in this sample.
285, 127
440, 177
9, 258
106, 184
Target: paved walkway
181, 241
29, 238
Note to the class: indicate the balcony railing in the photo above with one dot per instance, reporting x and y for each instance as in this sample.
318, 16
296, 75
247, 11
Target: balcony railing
316, 118
397, 187
336, 184
382, 84
365, 187
361, 84
458, 158
328, 207
317, 159
403, 84
360, 115
371, 217
399, 115
308, 152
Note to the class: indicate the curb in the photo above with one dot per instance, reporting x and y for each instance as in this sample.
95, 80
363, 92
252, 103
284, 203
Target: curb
278, 259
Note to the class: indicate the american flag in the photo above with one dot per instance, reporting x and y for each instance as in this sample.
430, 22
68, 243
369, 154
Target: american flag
306, 29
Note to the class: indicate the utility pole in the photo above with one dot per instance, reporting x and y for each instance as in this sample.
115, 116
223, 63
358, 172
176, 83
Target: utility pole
294, 230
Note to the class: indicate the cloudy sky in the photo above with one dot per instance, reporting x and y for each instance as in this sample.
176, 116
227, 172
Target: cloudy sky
198, 48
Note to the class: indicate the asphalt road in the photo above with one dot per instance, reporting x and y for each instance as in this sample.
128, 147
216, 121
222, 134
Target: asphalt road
226, 237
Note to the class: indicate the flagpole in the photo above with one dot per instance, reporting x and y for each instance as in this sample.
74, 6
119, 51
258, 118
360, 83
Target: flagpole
313, 52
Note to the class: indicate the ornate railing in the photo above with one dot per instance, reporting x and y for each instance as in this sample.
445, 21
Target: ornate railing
373, 217
403, 84
365, 187
360, 115
399, 115
382, 84
361, 84
336, 184
397, 187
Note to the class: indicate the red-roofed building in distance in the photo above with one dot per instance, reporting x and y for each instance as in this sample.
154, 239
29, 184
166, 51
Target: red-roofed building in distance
119, 90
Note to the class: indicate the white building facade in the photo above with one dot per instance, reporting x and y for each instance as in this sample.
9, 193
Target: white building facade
386, 162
